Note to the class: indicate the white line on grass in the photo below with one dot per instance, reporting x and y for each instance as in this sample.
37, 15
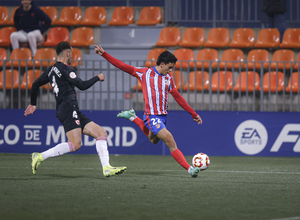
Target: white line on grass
217, 171
289, 218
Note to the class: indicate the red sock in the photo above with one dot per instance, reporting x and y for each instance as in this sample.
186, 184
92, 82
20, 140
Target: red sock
178, 156
139, 122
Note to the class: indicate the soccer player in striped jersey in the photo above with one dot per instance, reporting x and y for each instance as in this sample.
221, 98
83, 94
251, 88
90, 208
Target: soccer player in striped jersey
156, 84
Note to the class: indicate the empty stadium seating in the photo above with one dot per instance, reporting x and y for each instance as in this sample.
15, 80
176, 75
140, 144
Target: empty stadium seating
193, 37
169, 37
69, 16
222, 81
94, 16
122, 16
217, 38
150, 16
4, 15
247, 81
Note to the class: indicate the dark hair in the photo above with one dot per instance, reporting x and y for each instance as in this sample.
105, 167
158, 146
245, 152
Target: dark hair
61, 46
166, 57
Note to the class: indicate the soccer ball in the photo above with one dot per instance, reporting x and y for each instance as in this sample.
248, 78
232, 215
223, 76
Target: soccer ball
201, 161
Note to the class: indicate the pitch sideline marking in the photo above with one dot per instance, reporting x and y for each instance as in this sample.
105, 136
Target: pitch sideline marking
217, 171
289, 218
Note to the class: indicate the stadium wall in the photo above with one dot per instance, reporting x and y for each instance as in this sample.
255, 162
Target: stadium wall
221, 134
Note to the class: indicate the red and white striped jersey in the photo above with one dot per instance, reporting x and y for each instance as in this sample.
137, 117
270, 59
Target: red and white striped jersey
155, 90
155, 87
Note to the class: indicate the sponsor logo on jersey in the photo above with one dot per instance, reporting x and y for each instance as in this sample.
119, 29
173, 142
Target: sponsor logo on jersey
72, 75
75, 114
167, 81
77, 122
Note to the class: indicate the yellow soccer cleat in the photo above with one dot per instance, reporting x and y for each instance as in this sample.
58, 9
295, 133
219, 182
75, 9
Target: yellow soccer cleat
112, 171
37, 159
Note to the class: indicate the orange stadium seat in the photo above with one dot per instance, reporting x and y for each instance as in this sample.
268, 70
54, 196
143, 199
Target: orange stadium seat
152, 56
268, 38
44, 57
11, 21
139, 86
94, 16
20, 57
150, 16
255, 57
82, 37
4, 15
9, 84
56, 35
5, 36
3, 56
76, 57
273, 81
69, 16
185, 58
296, 65
169, 37
218, 38
51, 12
282, 59
291, 38
195, 82
179, 81
251, 77
243, 38
193, 37
207, 55
230, 55
293, 85
28, 79
122, 16
220, 80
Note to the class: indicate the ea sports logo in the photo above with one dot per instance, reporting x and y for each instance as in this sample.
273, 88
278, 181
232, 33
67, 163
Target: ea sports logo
251, 137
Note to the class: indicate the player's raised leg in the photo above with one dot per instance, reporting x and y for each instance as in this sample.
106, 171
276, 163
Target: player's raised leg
130, 115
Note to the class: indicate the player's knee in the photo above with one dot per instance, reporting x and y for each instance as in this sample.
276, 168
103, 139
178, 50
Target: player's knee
170, 140
77, 145
102, 132
154, 140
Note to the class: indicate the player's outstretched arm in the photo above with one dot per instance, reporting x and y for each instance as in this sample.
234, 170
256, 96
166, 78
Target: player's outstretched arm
29, 110
114, 61
182, 102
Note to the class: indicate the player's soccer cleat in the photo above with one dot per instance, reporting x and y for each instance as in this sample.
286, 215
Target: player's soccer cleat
37, 159
112, 171
194, 171
127, 114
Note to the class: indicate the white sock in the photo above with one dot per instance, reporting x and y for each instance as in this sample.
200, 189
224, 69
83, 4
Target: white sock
58, 150
132, 118
101, 146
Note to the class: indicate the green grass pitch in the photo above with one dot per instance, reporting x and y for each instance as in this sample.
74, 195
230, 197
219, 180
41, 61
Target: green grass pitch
153, 187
